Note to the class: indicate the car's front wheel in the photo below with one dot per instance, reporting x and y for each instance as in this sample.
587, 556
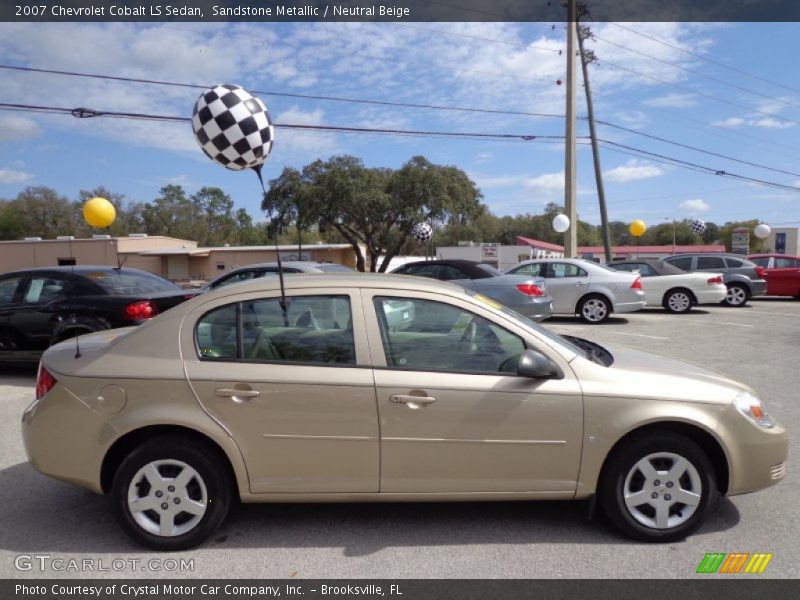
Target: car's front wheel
594, 309
658, 488
737, 295
171, 493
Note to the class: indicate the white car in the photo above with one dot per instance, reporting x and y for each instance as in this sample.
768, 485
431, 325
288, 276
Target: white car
674, 289
585, 288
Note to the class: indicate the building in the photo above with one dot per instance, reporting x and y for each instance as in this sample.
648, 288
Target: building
175, 259
784, 240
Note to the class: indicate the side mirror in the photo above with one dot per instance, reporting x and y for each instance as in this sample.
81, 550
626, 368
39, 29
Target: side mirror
536, 365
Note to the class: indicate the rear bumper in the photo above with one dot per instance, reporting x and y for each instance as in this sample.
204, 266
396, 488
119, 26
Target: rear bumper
712, 295
758, 287
631, 306
536, 308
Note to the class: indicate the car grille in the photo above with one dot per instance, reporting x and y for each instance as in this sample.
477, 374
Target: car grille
778, 471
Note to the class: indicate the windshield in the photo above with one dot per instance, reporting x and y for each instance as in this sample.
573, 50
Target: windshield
130, 283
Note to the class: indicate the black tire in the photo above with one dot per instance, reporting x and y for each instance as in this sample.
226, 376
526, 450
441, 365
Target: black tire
211, 487
678, 301
594, 309
738, 295
640, 522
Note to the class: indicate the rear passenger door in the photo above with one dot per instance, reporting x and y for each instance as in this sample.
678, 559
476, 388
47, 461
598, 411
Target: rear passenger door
34, 318
566, 283
784, 277
293, 386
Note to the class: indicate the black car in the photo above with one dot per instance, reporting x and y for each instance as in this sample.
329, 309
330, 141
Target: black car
40, 307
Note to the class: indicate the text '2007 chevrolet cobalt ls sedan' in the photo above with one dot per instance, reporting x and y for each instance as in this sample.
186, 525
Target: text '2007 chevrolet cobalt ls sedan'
315, 395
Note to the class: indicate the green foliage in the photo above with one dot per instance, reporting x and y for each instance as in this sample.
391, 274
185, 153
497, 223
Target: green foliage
371, 206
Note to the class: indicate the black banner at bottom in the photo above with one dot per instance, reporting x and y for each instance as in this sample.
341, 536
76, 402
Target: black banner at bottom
710, 588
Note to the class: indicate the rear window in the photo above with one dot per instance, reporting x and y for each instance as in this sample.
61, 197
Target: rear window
129, 283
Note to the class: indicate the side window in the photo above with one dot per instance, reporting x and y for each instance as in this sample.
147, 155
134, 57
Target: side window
646, 270
235, 278
535, 270
684, 262
761, 262
785, 263
431, 271
558, 270
733, 263
442, 337
311, 329
44, 289
709, 262
449, 273
216, 333
7, 289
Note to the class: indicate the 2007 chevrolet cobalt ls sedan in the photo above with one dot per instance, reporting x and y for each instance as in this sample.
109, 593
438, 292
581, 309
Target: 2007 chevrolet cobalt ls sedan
314, 395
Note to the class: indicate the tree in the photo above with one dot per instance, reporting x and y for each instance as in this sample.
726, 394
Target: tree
373, 207
173, 214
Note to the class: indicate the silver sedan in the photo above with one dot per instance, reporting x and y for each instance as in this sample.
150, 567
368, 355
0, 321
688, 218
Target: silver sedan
585, 288
526, 295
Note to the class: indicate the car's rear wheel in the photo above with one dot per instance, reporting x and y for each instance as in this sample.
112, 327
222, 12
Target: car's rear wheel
594, 309
658, 488
171, 493
678, 301
737, 295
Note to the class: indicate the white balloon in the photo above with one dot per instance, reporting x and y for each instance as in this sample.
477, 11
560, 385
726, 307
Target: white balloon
561, 223
762, 230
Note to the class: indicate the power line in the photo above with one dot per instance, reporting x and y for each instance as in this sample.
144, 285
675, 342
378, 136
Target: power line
705, 58
283, 94
697, 73
89, 113
427, 106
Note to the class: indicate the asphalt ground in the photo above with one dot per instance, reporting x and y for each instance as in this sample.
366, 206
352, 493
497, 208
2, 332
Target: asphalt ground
758, 344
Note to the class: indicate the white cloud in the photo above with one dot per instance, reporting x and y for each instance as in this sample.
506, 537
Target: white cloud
547, 184
14, 176
16, 129
770, 123
672, 101
300, 142
633, 170
730, 122
695, 206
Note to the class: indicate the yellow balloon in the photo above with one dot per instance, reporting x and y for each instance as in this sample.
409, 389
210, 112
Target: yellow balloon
637, 228
99, 212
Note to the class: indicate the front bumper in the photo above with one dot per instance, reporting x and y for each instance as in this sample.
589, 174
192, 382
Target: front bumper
756, 456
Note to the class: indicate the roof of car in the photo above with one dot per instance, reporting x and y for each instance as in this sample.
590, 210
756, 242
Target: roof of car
339, 280
768, 255
470, 267
79, 269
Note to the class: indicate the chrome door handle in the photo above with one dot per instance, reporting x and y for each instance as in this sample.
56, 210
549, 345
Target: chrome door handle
232, 393
412, 401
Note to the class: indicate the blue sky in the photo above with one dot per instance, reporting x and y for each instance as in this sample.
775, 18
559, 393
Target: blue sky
497, 66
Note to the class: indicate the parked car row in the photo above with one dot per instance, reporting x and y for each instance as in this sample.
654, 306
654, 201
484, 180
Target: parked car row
40, 307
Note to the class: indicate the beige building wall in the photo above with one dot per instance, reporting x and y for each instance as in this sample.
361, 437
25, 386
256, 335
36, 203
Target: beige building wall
25, 254
792, 240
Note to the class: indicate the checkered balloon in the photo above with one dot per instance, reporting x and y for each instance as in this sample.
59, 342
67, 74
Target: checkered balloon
233, 127
422, 232
697, 226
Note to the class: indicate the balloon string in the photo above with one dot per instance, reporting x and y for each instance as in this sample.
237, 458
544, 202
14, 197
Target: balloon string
260, 179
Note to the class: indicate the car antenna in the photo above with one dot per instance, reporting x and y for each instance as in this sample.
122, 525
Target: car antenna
120, 263
74, 318
275, 227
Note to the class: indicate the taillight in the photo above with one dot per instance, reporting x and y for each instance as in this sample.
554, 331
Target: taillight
530, 289
140, 310
714, 280
44, 382
760, 271
637, 284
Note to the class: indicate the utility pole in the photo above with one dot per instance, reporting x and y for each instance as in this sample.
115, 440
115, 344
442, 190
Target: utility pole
587, 56
570, 173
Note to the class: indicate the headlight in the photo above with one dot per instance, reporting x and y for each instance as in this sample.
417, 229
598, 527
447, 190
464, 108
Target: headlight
751, 407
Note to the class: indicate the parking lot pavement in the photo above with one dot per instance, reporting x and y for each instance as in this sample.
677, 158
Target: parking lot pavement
757, 344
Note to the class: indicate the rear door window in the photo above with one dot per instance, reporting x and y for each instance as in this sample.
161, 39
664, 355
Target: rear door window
710, 262
684, 262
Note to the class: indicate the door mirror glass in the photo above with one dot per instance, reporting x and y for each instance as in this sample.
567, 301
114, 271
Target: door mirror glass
536, 365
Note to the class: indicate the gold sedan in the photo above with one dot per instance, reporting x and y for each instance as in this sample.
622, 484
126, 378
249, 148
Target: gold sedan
385, 388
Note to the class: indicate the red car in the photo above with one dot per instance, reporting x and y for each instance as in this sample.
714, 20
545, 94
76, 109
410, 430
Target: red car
782, 273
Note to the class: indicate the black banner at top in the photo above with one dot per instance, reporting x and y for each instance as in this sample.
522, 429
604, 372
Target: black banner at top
395, 10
